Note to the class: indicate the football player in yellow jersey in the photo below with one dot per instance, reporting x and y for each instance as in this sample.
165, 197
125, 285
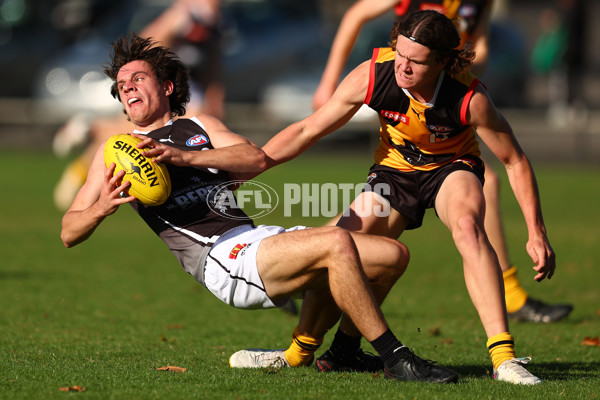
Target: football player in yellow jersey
426, 67
473, 20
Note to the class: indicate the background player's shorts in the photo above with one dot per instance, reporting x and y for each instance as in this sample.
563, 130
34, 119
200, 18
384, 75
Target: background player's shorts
231, 272
411, 193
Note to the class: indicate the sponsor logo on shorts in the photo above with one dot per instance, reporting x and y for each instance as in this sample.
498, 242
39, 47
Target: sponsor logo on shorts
197, 140
470, 163
234, 252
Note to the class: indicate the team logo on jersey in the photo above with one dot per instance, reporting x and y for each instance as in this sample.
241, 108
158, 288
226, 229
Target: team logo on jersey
234, 252
394, 117
439, 133
439, 128
197, 140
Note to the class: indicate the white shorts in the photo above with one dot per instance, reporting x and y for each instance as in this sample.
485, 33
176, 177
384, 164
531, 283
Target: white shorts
231, 272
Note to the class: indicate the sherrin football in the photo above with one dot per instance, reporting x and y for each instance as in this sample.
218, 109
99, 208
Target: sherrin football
150, 182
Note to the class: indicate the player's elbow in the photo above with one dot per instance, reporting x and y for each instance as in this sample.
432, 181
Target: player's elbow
69, 242
66, 242
67, 239
247, 160
261, 160
514, 159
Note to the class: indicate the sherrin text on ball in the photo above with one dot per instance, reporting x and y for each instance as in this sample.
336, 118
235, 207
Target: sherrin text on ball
150, 182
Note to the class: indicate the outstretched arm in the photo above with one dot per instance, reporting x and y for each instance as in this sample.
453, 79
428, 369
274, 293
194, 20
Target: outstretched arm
497, 134
351, 24
336, 112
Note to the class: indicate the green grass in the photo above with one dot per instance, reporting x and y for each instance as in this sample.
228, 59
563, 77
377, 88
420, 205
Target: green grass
105, 314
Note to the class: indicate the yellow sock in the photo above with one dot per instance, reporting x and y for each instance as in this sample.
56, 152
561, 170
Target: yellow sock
514, 293
302, 349
501, 348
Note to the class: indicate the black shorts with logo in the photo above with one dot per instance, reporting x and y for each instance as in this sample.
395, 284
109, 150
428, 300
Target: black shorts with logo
411, 193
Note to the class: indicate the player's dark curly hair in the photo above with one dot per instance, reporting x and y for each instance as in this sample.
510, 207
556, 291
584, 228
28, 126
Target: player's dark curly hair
165, 64
435, 31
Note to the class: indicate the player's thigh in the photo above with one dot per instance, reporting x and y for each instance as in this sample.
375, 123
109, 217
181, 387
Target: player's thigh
294, 261
371, 213
460, 196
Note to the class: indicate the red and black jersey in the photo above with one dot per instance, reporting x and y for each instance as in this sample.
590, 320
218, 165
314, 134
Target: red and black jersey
417, 136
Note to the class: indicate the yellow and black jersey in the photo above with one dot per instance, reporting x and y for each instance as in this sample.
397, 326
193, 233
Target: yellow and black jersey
417, 136
465, 13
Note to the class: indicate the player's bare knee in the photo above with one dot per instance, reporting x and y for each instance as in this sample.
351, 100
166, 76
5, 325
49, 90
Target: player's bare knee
466, 232
339, 241
342, 238
402, 257
396, 256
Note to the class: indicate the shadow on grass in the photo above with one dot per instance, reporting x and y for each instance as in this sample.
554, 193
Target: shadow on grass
563, 371
15, 275
552, 371
24, 275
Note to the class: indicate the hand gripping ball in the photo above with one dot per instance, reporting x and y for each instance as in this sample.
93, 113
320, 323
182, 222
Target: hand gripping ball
150, 182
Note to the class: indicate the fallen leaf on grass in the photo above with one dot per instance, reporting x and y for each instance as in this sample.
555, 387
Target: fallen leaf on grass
73, 388
271, 370
171, 368
591, 342
435, 331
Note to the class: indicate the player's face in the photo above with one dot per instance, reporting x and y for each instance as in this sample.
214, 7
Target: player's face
145, 99
416, 68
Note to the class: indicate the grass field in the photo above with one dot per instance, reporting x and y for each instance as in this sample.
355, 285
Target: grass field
106, 314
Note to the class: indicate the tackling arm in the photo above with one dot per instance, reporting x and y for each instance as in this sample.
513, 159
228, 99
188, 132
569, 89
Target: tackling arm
334, 114
232, 152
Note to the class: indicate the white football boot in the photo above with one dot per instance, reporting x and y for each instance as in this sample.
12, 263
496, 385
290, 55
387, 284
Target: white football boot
258, 358
513, 371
